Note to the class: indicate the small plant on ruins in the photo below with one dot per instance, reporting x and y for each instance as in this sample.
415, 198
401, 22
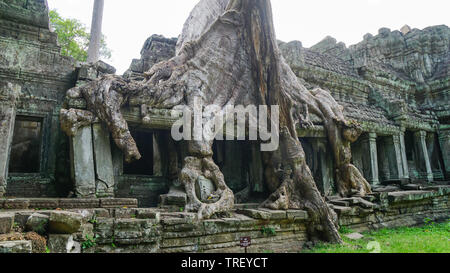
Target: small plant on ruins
269, 231
93, 220
90, 242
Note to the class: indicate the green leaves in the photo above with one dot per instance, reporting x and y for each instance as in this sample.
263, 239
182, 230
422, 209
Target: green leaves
74, 38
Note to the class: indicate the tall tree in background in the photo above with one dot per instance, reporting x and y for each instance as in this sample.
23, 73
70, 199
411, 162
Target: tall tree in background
74, 38
96, 32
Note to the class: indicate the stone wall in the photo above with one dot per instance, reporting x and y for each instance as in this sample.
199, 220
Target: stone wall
33, 80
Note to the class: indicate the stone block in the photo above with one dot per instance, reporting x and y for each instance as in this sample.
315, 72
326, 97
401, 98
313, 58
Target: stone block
6, 222
37, 223
256, 214
63, 243
86, 231
297, 214
87, 73
354, 236
339, 203
16, 247
118, 203
148, 214
204, 188
125, 213
175, 197
395, 197
342, 210
104, 68
16, 204
104, 230
21, 218
135, 231
276, 214
63, 222
79, 203
43, 203
216, 226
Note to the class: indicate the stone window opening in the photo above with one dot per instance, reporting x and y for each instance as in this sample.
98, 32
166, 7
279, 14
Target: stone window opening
25, 152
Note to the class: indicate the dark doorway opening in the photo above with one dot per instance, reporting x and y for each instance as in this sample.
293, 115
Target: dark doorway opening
144, 166
26, 145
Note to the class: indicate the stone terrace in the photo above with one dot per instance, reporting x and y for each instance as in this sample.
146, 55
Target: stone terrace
111, 227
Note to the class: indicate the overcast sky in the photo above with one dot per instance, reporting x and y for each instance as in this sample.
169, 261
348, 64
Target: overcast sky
127, 24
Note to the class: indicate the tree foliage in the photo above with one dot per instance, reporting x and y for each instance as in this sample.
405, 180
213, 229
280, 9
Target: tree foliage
74, 38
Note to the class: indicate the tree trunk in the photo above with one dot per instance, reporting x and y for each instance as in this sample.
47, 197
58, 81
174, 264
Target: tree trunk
228, 55
96, 32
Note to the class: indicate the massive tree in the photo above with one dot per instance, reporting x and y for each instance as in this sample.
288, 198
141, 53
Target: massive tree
96, 32
228, 55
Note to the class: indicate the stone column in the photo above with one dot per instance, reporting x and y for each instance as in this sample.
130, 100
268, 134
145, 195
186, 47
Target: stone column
403, 154
8, 116
325, 162
422, 152
8, 95
398, 155
157, 159
370, 142
83, 168
444, 141
103, 161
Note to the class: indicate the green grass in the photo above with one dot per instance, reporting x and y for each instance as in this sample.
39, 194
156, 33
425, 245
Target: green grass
431, 238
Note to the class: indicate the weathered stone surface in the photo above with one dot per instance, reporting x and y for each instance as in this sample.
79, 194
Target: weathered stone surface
409, 196
80, 203
148, 214
118, 203
204, 188
16, 204
297, 214
103, 158
135, 231
15, 247
175, 197
37, 223
256, 214
6, 222
21, 218
104, 230
83, 161
62, 222
354, 236
43, 203
60, 243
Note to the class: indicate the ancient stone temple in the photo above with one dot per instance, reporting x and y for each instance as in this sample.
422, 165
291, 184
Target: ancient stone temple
34, 78
56, 152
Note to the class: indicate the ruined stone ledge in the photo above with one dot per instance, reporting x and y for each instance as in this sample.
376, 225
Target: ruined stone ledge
65, 203
395, 197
